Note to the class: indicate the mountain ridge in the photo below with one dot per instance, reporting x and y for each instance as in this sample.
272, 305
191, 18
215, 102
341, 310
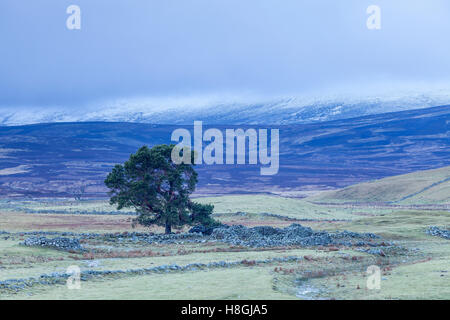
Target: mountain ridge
278, 112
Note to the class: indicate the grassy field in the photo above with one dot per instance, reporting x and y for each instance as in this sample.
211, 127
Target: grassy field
243, 283
419, 270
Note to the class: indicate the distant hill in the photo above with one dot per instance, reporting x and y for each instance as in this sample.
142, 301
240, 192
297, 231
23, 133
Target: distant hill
422, 187
65, 159
283, 111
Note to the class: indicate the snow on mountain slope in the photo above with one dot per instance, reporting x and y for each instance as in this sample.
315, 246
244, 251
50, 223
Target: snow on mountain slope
213, 110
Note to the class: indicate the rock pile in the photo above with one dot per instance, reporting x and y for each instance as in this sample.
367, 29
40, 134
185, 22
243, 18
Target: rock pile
59, 243
439, 232
295, 234
263, 236
118, 237
206, 231
152, 238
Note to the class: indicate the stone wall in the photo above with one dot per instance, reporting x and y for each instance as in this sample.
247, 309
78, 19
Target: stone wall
59, 243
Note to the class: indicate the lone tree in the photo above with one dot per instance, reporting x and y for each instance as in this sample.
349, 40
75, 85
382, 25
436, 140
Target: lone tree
158, 189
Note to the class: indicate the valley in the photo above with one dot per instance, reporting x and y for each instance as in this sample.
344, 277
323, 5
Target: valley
351, 195
127, 263
72, 159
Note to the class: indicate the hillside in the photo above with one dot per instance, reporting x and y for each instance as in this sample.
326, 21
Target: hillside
422, 187
281, 111
64, 159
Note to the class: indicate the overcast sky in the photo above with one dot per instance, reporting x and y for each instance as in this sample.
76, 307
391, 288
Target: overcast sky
166, 48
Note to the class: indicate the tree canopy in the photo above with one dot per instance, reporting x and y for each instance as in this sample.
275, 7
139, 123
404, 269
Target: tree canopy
158, 189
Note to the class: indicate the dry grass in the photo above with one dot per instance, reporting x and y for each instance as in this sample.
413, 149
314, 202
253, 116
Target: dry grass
338, 272
17, 221
422, 187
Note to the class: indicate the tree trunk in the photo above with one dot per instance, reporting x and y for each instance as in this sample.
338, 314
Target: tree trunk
168, 228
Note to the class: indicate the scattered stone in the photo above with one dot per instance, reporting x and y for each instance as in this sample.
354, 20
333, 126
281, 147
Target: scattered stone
59, 243
374, 251
438, 232
204, 230
92, 264
295, 234
16, 285
237, 235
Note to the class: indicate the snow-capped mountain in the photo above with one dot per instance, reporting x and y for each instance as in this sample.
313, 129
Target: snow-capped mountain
235, 111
